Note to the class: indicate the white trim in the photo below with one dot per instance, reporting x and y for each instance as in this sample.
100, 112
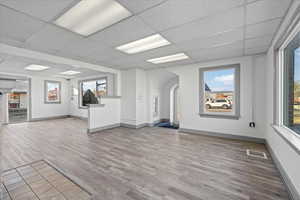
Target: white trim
293, 194
280, 127
292, 138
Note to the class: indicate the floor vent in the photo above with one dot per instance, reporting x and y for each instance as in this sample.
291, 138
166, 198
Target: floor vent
257, 154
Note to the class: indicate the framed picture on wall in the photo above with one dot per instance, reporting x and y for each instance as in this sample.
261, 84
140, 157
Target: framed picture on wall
52, 92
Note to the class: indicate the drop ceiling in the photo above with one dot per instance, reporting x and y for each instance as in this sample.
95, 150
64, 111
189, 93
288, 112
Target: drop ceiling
10, 65
202, 29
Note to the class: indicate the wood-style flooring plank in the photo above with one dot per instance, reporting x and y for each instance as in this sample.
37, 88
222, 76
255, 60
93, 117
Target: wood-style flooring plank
143, 164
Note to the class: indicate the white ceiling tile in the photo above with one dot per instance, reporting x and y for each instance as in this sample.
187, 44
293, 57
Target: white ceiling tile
129, 63
139, 60
261, 29
12, 66
51, 39
15, 64
259, 11
173, 13
126, 31
210, 42
214, 6
256, 50
83, 47
206, 27
137, 6
17, 26
11, 42
226, 51
44, 10
109, 53
177, 12
260, 41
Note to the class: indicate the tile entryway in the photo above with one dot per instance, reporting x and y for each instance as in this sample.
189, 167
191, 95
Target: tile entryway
40, 181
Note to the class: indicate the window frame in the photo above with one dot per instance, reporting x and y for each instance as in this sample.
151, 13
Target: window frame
236, 114
280, 80
46, 92
80, 89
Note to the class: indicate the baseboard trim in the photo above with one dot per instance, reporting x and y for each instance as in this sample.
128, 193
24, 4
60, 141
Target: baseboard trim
94, 130
223, 135
48, 118
293, 194
135, 126
78, 117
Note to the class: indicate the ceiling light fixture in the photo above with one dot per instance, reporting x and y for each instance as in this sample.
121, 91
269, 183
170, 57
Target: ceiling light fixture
90, 16
70, 73
34, 67
151, 42
170, 58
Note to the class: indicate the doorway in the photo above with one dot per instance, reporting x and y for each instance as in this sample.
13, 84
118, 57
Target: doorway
18, 102
17, 106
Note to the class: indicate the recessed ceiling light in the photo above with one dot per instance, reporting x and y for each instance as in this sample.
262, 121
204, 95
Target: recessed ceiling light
90, 16
36, 67
151, 42
170, 58
70, 72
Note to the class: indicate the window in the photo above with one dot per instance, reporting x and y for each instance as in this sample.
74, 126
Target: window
291, 85
219, 91
92, 90
52, 92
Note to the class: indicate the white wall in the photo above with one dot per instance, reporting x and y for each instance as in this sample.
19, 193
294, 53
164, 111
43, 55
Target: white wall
107, 115
42, 110
128, 100
142, 100
134, 102
74, 104
189, 98
287, 156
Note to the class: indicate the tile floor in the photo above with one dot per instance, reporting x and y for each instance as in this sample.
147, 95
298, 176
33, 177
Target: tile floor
40, 181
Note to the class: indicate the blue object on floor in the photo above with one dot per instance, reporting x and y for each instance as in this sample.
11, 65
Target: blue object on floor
166, 125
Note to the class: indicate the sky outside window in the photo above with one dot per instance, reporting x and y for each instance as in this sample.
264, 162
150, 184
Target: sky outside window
220, 80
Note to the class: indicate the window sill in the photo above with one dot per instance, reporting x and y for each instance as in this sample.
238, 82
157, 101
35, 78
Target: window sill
234, 117
289, 136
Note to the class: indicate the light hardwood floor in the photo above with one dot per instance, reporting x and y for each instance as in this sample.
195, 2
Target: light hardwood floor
148, 163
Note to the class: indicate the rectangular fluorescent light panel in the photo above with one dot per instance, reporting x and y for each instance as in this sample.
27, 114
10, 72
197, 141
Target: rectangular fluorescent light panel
170, 58
90, 16
70, 72
36, 67
151, 42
